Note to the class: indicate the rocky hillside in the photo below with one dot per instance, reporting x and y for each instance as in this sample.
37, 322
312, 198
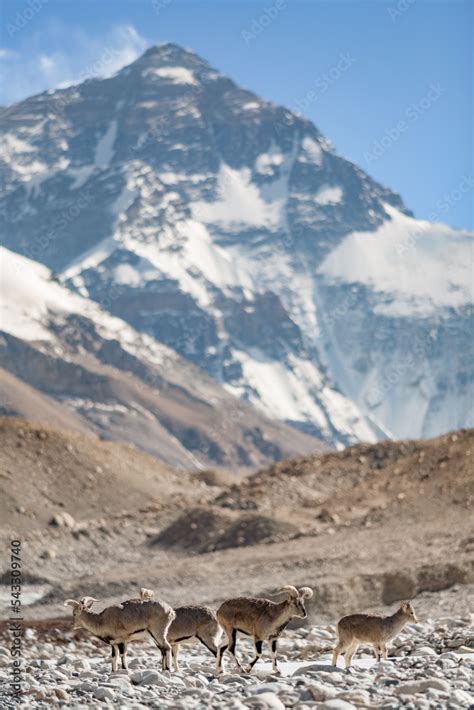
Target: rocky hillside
367, 526
46, 472
230, 230
366, 483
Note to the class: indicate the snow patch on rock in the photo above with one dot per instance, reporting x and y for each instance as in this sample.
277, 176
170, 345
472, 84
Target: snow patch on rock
424, 266
311, 152
104, 149
329, 195
176, 75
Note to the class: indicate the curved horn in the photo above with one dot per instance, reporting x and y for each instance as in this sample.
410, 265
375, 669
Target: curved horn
290, 590
305, 592
70, 602
146, 593
87, 602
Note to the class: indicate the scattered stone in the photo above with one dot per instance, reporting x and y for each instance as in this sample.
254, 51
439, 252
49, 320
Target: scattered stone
316, 668
134, 663
63, 520
336, 704
420, 686
104, 694
148, 677
77, 674
425, 651
360, 698
266, 701
462, 698
61, 694
319, 691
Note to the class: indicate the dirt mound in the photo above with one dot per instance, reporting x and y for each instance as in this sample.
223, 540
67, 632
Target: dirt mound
209, 529
255, 529
219, 478
196, 530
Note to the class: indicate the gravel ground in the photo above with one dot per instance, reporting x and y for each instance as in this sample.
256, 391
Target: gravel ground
431, 666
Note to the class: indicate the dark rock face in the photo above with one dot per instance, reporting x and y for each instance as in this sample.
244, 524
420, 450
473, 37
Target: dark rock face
173, 124
262, 323
204, 216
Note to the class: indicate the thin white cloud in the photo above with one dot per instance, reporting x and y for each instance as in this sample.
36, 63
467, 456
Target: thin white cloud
47, 64
7, 53
63, 55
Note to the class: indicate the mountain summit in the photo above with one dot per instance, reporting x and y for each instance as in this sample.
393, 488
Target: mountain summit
229, 229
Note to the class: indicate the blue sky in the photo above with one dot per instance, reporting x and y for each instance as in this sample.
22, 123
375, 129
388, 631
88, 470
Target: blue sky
388, 82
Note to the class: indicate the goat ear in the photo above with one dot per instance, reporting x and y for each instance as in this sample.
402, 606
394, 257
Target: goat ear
305, 592
290, 590
70, 602
87, 602
146, 593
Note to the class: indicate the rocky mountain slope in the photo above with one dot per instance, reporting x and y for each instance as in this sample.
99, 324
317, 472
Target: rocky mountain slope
68, 362
366, 483
364, 527
229, 229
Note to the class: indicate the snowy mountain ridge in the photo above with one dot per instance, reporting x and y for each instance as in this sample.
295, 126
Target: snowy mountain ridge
229, 229
67, 361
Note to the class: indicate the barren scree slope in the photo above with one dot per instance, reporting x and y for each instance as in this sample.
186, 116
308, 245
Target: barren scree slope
364, 527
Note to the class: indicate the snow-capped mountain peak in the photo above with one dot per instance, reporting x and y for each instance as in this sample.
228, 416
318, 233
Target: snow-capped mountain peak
229, 229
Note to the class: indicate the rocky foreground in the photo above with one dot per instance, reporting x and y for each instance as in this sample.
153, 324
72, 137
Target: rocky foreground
431, 665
